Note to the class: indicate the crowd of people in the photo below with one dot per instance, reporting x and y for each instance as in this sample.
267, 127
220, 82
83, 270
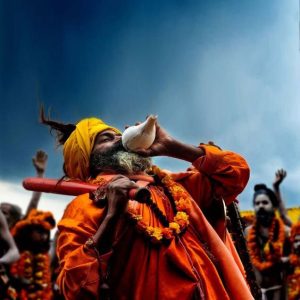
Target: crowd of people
175, 243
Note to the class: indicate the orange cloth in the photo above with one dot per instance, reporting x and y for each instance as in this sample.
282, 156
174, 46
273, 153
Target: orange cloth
198, 265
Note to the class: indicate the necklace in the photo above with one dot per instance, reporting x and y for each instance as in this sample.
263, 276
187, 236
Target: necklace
294, 279
180, 222
35, 270
272, 250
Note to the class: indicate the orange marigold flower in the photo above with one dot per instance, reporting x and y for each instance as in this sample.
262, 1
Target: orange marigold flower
181, 216
175, 227
150, 230
157, 234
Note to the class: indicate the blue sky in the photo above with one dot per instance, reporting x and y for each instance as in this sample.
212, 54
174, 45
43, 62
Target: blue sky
226, 71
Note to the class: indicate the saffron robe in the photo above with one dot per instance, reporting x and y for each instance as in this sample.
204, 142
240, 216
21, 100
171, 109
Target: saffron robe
201, 264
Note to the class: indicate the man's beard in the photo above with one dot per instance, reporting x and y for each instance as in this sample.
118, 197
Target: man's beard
264, 217
118, 160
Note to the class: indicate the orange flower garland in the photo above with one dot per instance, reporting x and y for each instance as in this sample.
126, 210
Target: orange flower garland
273, 249
180, 221
7, 291
294, 279
34, 270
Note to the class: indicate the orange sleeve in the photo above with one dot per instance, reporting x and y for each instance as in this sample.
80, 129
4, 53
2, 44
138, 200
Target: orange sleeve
80, 269
222, 173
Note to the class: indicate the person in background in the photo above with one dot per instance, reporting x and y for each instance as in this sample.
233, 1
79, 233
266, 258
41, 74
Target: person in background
268, 242
12, 212
279, 177
32, 273
294, 260
8, 254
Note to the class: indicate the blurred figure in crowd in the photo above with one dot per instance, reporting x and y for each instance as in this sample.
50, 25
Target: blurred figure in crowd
279, 177
8, 254
268, 242
294, 259
32, 272
12, 212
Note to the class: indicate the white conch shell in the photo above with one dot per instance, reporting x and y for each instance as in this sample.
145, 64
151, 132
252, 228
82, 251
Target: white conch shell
140, 136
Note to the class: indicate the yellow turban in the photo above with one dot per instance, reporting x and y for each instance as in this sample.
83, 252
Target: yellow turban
78, 147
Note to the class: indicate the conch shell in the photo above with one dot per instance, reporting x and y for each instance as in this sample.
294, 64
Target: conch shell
140, 136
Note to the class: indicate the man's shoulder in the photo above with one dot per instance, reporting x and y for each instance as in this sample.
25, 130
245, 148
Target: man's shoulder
80, 204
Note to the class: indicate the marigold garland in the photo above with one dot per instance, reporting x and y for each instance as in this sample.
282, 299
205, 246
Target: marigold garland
34, 270
273, 249
7, 291
180, 221
294, 279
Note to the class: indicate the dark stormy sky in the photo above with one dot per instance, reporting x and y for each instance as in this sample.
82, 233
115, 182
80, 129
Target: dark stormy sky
226, 71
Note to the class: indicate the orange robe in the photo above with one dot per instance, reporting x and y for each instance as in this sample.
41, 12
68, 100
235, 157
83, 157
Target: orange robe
201, 264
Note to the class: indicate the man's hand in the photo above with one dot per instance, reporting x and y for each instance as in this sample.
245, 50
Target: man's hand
166, 145
40, 161
161, 145
117, 200
117, 195
279, 177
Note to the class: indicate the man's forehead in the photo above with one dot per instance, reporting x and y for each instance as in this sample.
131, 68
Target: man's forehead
108, 131
262, 197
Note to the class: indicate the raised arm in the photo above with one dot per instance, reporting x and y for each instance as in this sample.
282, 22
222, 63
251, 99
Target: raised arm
165, 145
225, 172
12, 254
279, 177
39, 163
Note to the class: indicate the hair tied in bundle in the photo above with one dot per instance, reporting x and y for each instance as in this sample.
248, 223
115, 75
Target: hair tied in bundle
260, 186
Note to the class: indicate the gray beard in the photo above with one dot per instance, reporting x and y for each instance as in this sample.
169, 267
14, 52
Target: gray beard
119, 161
131, 162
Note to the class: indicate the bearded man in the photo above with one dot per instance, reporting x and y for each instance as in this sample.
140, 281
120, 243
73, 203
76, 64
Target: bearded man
268, 243
164, 248
31, 273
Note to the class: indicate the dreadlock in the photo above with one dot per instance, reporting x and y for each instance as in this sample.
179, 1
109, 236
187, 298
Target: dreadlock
62, 131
